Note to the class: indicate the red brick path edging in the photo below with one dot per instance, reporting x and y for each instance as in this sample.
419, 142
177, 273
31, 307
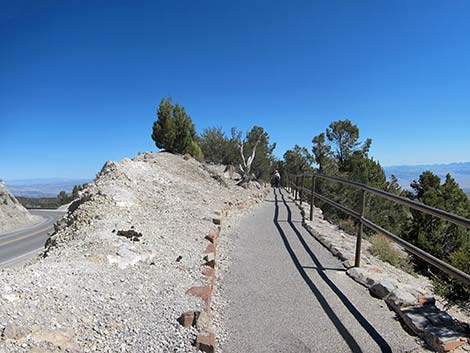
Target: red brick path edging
206, 340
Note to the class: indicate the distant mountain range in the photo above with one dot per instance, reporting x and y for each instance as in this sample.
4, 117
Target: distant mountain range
407, 173
42, 187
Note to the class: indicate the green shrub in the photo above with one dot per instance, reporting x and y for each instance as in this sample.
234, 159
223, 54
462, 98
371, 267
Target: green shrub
384, 249
195, 151
217, 147
42, 202
348, 225
452, 288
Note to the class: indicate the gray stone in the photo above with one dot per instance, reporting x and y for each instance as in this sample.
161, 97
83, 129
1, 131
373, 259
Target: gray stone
371, 281
442, 338
400, 298
337, 252
348, 263
382, 289
438, 317
13, 332
415, 320
358, 275
326, 242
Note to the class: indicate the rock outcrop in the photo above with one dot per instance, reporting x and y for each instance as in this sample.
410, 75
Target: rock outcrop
120, 263
12, 214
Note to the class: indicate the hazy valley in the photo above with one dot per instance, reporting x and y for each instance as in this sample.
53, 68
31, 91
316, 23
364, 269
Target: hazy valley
407, 173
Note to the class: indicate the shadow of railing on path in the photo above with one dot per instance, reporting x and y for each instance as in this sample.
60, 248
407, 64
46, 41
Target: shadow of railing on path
342, 330
267, 200
325, 268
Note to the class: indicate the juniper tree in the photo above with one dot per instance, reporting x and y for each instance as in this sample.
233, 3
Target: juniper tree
164, 130
298, 160
174, 130
215, 145
438, 237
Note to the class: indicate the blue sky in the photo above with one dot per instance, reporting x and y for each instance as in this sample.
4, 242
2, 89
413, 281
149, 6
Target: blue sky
80, 81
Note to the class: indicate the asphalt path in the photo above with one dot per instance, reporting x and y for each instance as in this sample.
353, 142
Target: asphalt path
20, 245
288, 293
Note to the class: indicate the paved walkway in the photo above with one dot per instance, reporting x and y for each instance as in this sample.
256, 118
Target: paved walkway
287, 293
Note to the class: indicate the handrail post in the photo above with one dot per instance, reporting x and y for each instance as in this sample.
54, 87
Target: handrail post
357, 260
302, 188
312, 199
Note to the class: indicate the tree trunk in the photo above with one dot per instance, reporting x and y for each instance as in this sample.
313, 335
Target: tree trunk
245, 167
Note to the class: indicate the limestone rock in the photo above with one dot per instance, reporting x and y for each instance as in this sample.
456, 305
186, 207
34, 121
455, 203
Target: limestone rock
12, 214
100, 292
13, 331
383, 288
400, 298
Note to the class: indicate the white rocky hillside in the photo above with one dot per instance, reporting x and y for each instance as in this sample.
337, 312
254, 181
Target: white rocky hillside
119, 265
12, 214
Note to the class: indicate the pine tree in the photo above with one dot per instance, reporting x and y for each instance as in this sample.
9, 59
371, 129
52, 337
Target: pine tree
174, 130
344, 135
323, 155
184, 130
298, 160
214, 145
164, 130
436, 236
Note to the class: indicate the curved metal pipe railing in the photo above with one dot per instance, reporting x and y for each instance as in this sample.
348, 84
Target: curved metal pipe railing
297, 185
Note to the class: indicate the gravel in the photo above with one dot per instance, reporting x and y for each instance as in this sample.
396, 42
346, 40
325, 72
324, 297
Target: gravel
97, 291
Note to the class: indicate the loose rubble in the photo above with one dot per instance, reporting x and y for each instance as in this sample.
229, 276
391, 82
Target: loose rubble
96, 291
411, 297
12, 214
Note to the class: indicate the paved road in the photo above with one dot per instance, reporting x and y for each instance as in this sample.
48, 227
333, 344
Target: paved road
287, 293
23, 244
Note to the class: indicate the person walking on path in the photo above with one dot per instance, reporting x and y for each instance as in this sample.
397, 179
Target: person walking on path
277, 179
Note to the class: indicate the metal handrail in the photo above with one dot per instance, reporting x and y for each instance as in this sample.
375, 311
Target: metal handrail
299, 190
403, 200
